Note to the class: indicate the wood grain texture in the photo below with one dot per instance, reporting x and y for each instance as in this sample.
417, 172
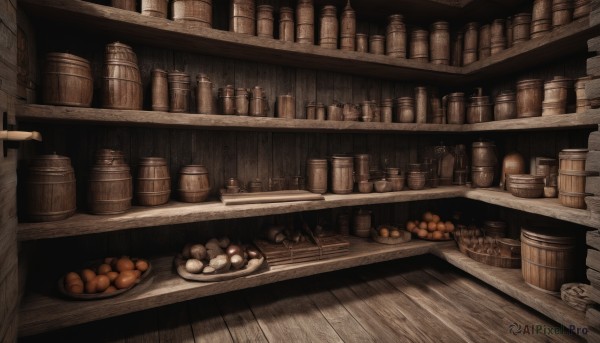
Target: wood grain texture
240, 320
594, 141
594, 277
592, 185
593, 259
592, 161
592, 239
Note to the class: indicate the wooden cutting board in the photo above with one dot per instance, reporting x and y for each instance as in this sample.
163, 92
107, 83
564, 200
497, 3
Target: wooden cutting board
269, 197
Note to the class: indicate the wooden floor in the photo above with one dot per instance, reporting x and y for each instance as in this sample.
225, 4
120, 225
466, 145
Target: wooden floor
420, 299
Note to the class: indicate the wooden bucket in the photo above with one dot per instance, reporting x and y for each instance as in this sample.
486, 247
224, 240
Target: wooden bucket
50, 189
286, 106
179, 92
67, 81
362, 42
328, 33
562, 12
556, 89
242, 17
128, 5
505, 107
395, 38
316, 175
479, 110
572, 159
194, 13
470, 43
110, 185
342, 178
525, 185
521, 27
483, 154
377, 44
485, 41
264, 21
348, 29
305, 22
160, 90
582, 102
419, 45
541, 17
194, 185
547, 258
416, 180
483, 177
581, 9
204, 94
155, 8
440, 43
529, 98
153, 184
455, 108
405, 110
286, 24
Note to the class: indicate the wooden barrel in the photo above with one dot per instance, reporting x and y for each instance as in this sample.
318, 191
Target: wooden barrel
581, 101
416, 180
572, 159
242, 17
479, 110
335, 112
362, 42
193, 185
110, 185
122, 86
320, 111
194, 13
342, 179
348, 29
119, 51
572, 177
421, 105
497, 38
521, 27
395, 38
286, 24
286, 106
419, 45
547, 258
226, 100
305, 22
153, 183
179, 92
316, 175
50, 189
440, 43
311, 110
470, 43
541, 17
160, 90
405, 110
581, 8
128, 5
385, 111
483, 177
505, 107
485, 41
513, 163
204, 94
555, 96
264, 21
529, 98
455, 107
562, 12
328, 33
377, 44
155, 8
67, 80
362, 224
483, 154
361, 166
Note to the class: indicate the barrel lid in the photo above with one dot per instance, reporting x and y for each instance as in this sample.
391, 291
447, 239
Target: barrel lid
530, 82
505, 96
361, 35
152, 161
51, 160
202, 77
285, 9
159, 71
194, 169
580, 150
328, 9
456, 95
118, 45
109, 154
376, 37
267, 7
472, 25
66, 55
548, 234
440, 25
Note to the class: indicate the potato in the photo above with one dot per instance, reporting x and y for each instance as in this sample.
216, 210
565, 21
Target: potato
104, 268
437, 235
253, 262
431, 226
102, 283
212, 253
87, 275
395, 234
186, 251
237, 261
125, 280
112, 276
213, 243
90, 286
384, 232
253, 252
208, 270
75, 288
71, 277
224, 242
234, 249
220, 263
110, 289
142, 265
422, 233
198, 252
194, 266
123, 264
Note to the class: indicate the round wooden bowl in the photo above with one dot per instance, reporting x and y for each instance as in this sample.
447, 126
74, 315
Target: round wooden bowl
404, 236
180, 266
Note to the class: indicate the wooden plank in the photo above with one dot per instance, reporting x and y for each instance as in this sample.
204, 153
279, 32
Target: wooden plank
594, 294
593, 336
207, 324
592, 162
240, 320
174, 324
592, 239
594, 277
594, 141
594, 44
593, 66
592, 317
592, 89
592, 185
593, 259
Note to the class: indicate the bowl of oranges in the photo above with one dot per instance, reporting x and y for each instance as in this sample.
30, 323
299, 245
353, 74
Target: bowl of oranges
431, 227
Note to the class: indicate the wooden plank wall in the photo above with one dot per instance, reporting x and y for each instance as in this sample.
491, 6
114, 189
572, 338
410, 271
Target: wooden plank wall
9, 278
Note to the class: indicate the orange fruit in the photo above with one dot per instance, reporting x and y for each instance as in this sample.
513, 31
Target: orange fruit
435, 218
423, 225
410, 225
431, 226
441, 227
422, 233
427, 216
449, 226
437, 235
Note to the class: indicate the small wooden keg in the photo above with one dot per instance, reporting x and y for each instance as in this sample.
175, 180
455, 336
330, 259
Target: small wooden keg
457, 49
541, 17
405, 110
385, 110
255, 186
204, 94
581, 8
562, 12
348, 29
421, 105
342, 174
286, 24
377, 44
485, 41
455, 107
470, 43
582, 102
311, 110
361, 166
128, 5
362, 42
483, 154
351, 112
155, 8
395, 38
505, 107
122, 86
521, 27
109, 184
482, 177
179, 92
50, 189
119, 51
194, 184
416, 180
258, 106
242, 17
440, 43
226, 100
513, 163
320, 111
497, 39
362, 224
419, 45
335, 112
264, 21
194, 13
316, 175
242, 102
328, 33
555, 96
367, 110
479, 109
67, 80
529, 98
305, 22
153, 184
160, 90
286, 106
572, 177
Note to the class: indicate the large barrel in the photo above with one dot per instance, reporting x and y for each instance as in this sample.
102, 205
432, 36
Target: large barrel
572, 177
194, 185
484, 154
194, 13
110, 185
562, 12
179, 92
122, 87
396, 36
529, 98
305, 22
419, 45
242, 17
328, 33
455, 107
440, 43
67, 80
342, 180
264, 21
548, 258
316, 175
153, 182
505, 107
50, 189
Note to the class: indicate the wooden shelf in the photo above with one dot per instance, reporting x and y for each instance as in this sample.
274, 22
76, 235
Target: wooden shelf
46, 113
122, 24
40, 312
510, 281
